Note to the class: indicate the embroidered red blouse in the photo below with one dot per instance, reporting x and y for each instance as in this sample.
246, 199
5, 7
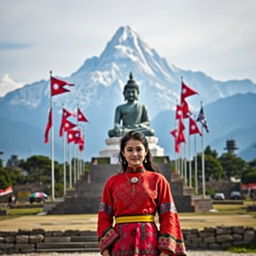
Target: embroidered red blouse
150, 195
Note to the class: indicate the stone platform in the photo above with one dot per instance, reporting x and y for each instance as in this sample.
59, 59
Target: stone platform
85, 197
113, 146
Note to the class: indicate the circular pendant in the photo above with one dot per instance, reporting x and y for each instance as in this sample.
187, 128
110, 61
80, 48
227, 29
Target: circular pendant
134, 180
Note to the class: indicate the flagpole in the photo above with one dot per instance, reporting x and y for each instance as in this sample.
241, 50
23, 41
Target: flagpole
175, 138
70, 166
178, 164
182, 153
203, 164
176, 167
189, 161
77, 151
64, 167
196, 170
79, 164
175, 141
185, 164
181, 162
52, 144
74, 164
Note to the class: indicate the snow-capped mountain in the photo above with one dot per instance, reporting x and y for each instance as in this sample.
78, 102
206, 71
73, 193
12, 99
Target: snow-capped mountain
98, 90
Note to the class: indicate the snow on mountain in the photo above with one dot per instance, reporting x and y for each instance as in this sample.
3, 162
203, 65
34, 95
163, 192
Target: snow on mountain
99, 85
7, 84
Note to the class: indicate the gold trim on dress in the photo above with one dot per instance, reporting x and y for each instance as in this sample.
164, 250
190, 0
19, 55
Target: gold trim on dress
137, 218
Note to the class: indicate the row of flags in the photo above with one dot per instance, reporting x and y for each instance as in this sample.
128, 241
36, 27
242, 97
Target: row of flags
183, 112
73, 133
76, 136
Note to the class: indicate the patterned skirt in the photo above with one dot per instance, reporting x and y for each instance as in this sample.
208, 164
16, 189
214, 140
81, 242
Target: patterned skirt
136, 239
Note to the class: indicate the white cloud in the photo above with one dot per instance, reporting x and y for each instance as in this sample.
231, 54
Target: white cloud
216, 37
7, 84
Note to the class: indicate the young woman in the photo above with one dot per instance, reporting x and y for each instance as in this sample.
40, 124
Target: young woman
131, 199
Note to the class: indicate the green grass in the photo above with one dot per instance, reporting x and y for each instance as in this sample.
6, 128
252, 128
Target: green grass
15, 213
235, 208
243, 249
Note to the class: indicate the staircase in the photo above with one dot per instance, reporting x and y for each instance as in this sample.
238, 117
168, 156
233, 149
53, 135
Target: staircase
75, 241
85, 197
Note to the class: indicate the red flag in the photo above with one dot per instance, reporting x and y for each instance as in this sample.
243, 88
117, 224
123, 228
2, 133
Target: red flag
186, 91
181, 126
81, 143
66, 125
178, 136
81, 117
185, 109
182, 111
193, 128
57, 86
66, 113
178, 140
73, 136
174, 133
181, 137
48, 127
179, 112
176, 145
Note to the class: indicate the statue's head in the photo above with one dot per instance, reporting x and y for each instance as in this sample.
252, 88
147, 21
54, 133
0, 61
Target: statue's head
131, 89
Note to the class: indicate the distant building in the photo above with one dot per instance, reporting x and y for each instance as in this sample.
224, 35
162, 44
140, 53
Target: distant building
13, 161
231, 146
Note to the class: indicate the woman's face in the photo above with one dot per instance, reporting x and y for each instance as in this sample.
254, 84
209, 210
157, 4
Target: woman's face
134, 153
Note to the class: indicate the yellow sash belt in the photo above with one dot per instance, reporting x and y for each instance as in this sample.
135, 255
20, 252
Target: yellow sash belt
137, 218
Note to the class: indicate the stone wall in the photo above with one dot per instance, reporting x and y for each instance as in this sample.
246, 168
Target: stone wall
218, 238
40, 240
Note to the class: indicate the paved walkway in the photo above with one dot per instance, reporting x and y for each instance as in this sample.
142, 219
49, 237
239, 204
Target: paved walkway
190, 253
89, 221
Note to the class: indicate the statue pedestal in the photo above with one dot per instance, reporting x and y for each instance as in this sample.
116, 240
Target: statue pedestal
113, 147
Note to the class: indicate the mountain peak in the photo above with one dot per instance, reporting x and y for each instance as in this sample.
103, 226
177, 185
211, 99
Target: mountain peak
125, 43
124, 34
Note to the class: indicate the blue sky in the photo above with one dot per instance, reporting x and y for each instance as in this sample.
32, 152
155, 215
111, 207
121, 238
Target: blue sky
213, 36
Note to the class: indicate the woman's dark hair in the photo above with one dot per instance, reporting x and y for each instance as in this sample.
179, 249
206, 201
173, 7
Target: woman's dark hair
148, 161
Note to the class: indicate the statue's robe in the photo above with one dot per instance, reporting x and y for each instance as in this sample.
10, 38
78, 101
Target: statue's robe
131, 115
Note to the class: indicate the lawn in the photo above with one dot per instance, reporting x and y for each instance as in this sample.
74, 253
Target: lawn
235, 208
15, 213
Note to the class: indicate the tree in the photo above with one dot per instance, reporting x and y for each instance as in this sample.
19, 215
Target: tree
1, 160
5, 179
16, 176
212, 152
233, 166
38, 168
252, 163
213, 168
249, 176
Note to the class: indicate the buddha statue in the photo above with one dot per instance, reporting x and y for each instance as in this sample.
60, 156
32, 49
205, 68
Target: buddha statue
131, 115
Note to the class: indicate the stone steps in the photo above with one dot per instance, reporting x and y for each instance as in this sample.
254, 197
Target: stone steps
66, 245
67, 250
85, 197
90, 238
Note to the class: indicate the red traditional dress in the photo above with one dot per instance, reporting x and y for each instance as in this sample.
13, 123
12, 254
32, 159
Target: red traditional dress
132, 199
